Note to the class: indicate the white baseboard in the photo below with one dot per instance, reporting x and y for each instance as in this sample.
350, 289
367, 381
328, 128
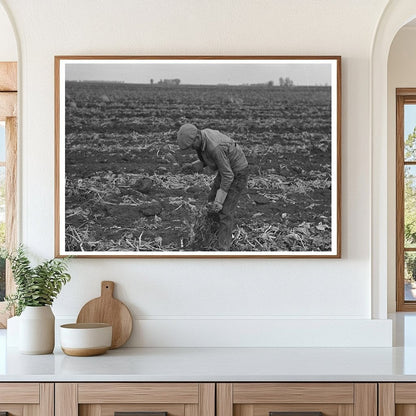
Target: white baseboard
189, 332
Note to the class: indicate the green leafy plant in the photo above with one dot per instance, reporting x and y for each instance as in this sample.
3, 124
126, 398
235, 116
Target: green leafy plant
38, 285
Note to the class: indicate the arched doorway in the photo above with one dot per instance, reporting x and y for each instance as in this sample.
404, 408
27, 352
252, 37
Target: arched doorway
396, 15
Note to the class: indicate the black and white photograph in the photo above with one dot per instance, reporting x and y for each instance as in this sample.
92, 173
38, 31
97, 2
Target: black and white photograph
198, 157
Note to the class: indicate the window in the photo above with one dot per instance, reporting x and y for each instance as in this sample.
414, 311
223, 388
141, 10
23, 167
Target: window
406, 199
8, 167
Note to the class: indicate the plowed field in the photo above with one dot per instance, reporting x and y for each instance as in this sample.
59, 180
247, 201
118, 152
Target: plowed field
126, 189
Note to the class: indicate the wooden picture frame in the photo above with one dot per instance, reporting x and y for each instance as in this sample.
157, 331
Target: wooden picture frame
123, 188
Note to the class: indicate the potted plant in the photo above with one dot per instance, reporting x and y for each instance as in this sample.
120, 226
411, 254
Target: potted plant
36, 289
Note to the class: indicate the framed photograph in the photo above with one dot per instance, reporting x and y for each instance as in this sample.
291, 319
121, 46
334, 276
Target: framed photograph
163, 156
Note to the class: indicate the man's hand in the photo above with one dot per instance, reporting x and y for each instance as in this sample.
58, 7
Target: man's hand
217, 205
214, 207
194, 167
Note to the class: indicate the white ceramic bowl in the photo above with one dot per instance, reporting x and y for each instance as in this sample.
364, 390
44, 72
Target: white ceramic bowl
83, 340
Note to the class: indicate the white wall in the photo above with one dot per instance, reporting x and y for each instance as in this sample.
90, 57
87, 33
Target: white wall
204, 301
401, 74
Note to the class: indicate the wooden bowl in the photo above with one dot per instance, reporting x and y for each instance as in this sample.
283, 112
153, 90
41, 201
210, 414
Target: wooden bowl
84, 340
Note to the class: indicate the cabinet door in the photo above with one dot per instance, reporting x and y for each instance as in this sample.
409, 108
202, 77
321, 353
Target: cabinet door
397, 399
26, 399
142, 399
297, 399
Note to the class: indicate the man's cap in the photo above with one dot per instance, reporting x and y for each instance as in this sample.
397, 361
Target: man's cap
186, 136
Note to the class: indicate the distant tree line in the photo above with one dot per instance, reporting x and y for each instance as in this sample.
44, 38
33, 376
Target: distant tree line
283, 82
175, 81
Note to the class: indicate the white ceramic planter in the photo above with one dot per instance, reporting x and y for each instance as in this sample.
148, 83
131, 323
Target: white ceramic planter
37, 330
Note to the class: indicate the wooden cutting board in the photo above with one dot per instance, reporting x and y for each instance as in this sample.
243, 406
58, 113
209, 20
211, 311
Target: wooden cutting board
109, 310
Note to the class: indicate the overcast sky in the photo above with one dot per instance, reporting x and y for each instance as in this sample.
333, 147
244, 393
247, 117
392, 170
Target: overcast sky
200, 73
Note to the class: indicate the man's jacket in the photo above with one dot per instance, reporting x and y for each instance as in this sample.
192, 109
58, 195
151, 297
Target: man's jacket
219, 152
